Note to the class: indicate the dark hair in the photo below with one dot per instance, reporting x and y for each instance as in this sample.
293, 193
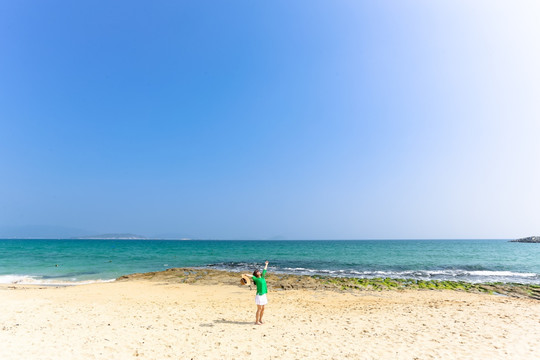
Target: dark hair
255, 272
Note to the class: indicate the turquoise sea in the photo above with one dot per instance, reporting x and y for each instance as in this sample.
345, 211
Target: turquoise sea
81, 261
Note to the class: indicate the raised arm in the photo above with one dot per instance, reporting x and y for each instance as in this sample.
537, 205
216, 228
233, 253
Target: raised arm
266, 265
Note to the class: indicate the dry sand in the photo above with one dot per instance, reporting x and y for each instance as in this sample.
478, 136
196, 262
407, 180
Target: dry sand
152, 320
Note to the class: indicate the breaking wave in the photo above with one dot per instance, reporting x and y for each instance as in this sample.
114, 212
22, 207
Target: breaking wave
469, 273
35, 280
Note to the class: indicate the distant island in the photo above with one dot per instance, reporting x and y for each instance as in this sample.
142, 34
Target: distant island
530, 239
112, 237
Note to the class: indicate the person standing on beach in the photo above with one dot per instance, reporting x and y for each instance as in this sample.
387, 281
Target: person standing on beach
260, 298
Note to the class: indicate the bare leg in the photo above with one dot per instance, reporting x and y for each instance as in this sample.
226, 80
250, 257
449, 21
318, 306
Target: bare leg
258, 315
261, 314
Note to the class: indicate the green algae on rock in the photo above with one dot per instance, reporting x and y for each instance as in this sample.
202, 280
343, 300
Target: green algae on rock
318, 282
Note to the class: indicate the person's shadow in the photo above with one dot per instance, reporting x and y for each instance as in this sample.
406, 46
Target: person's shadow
223, 321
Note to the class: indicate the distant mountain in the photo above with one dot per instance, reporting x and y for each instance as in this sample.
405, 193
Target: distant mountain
112, 237
62, 232
41, 232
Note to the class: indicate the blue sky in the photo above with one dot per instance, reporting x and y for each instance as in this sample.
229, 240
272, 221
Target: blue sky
252, 119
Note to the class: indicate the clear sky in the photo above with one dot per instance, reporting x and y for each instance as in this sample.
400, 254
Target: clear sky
254, 119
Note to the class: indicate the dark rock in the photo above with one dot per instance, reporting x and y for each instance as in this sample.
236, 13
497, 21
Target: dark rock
530, 239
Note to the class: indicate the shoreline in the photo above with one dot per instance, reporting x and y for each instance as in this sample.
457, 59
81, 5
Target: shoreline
286, 281
278, 281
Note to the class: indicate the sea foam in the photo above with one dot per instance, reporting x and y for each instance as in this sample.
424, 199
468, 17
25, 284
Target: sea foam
32, 280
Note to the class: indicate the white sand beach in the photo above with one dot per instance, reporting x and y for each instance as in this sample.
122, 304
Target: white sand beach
150, 320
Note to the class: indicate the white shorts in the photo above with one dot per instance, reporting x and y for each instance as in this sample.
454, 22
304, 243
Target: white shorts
261, 299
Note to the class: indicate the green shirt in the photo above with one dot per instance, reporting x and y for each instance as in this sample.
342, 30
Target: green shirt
261, 284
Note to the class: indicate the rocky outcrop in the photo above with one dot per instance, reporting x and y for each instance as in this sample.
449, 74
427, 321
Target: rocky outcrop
530, 239
278, 282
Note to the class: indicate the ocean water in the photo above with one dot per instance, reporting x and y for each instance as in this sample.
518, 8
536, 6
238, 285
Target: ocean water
82, 261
